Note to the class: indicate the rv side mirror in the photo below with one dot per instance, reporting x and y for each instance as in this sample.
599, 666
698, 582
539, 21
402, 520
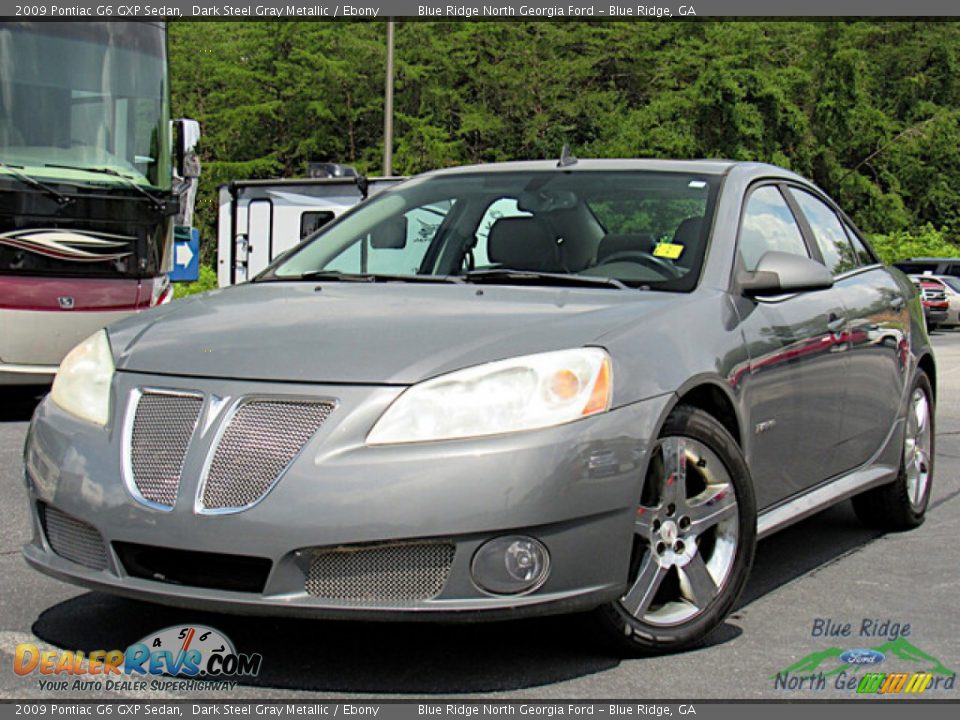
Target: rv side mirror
390, 234
186, 138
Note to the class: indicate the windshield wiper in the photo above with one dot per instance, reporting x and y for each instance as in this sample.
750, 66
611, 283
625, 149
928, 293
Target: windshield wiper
534, 277
128, 181
339, 276
24, 178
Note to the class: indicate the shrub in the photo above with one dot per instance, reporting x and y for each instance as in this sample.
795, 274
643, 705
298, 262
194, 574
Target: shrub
206, 281
926, 241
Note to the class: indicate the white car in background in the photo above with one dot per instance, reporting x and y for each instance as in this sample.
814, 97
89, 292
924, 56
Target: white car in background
951, 288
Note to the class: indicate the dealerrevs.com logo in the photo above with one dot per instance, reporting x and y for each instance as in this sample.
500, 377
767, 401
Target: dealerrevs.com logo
199, 657
906, 669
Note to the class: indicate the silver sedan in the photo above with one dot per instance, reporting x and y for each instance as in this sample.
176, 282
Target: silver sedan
495, 391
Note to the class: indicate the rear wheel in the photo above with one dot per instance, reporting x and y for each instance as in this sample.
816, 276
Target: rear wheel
693, 541
902, 504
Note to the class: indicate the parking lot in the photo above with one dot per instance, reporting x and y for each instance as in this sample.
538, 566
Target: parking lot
826, 571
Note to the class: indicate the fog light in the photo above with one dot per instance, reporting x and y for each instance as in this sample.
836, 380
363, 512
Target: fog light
511, 565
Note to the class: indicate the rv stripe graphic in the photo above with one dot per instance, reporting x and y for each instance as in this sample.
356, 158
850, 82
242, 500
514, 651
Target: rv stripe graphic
77, 246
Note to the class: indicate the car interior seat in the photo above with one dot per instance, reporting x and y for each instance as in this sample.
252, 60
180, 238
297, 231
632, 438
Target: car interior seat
524, 243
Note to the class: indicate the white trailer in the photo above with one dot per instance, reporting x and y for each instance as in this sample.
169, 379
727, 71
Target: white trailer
260, 219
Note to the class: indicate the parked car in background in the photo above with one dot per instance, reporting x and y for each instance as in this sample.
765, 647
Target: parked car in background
551, 397
930, 266
951, 289
933, 298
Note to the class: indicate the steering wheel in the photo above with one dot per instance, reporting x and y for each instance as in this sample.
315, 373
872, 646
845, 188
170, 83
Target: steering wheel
644, 258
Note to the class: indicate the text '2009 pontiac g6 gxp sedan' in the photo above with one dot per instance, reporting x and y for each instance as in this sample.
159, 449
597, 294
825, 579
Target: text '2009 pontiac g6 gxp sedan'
493, 391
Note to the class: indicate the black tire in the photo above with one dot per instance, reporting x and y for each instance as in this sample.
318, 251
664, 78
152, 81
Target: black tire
890, 507
637, 635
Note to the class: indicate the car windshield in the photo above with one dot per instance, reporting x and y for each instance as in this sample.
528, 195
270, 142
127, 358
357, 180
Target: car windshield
85, 102
586, 228
952, 282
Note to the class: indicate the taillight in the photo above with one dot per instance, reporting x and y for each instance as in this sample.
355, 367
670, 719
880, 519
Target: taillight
162, 291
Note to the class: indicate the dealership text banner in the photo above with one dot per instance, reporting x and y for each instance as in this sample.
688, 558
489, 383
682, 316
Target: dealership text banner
496, 9
486, 710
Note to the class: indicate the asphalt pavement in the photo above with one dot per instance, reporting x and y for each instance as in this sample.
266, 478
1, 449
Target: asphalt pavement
823, 573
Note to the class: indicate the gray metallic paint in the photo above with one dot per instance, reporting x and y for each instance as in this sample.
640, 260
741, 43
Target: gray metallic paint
837, 392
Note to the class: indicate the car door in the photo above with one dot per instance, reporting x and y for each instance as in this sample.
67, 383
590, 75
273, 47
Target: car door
793, 387
875, 332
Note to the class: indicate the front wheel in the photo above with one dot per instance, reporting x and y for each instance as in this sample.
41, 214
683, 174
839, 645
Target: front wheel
693, 541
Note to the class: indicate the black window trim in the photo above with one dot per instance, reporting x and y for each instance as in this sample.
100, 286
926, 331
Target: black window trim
806, 230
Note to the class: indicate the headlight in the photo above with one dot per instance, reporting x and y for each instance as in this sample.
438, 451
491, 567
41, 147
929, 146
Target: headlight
82, 384
525, 393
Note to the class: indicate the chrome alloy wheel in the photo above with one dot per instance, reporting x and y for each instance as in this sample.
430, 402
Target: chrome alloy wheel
916, 448
685, 534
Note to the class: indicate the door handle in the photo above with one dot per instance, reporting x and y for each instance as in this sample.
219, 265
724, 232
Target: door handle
835, 323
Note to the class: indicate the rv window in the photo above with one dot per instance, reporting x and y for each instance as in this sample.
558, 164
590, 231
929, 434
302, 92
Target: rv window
310, 222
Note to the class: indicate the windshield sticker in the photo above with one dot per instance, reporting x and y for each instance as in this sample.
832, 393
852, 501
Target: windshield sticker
670, 251
69, 244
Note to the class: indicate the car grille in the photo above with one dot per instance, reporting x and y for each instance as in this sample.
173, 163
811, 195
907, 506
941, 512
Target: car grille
162, 427
395, 573
73, 539
260, 441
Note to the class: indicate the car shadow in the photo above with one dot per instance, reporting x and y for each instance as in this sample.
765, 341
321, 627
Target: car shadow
426, 658
354, 657
18, 403
805, 548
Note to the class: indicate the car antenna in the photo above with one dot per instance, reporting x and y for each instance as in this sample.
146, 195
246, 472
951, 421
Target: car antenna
566, 159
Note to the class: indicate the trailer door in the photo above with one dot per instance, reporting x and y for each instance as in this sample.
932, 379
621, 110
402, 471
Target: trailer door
259, 236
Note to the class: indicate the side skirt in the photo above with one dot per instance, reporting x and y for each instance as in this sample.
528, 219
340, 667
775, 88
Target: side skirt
873, 473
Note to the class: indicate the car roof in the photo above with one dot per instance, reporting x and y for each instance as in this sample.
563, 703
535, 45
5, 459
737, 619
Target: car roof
699, 167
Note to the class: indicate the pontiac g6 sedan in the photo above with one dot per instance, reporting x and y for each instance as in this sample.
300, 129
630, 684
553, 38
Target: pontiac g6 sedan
496, 391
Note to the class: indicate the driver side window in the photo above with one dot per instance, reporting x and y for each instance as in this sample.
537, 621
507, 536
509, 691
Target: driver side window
768, 225
399, 256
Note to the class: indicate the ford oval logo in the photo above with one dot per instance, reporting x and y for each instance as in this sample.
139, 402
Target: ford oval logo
863, 656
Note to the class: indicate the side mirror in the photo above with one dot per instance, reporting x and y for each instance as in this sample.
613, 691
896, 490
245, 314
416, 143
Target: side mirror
186, 137
390, 234
779, 272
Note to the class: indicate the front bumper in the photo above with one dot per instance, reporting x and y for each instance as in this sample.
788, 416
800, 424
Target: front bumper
572, 487
935, 316
11, 374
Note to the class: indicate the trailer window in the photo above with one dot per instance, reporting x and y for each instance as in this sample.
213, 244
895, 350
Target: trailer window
312, 221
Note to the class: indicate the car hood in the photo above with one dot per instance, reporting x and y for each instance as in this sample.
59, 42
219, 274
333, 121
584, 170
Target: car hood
395, 333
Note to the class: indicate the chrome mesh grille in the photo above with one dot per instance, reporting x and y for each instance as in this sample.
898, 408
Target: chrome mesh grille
404, 572
261, 439
73, 539
162, 427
